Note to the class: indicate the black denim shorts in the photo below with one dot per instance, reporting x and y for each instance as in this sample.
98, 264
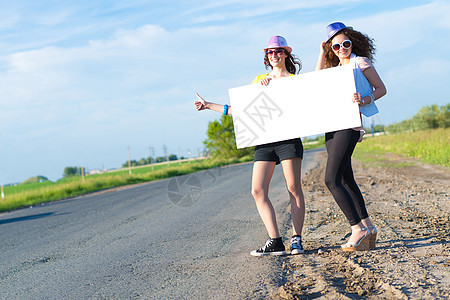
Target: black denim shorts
279, 151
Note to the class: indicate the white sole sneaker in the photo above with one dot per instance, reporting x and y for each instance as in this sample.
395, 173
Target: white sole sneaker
255, 253
296, 251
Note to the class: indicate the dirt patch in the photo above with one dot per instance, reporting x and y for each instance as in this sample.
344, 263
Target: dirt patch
411, 209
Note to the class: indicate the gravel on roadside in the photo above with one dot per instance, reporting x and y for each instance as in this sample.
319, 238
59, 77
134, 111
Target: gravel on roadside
411, 209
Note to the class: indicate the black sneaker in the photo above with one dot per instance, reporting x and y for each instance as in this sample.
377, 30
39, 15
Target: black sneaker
296, 245
272, 247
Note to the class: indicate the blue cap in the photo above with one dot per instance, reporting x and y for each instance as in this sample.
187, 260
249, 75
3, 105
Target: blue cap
334, 28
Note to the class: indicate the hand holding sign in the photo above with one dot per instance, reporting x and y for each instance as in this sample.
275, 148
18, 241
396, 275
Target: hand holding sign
295, 106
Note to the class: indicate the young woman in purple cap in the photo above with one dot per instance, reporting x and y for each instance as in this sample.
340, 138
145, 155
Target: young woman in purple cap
290, 153
347, 46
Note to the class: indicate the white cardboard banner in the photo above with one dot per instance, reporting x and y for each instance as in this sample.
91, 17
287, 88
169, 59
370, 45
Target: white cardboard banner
295, 106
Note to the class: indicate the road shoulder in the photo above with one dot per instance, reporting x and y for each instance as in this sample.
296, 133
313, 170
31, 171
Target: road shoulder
410, 206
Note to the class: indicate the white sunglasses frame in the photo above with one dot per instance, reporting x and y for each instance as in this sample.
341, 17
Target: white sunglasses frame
341, 45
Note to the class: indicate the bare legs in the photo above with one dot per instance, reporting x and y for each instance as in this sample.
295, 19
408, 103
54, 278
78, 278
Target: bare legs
292, 174
262, 174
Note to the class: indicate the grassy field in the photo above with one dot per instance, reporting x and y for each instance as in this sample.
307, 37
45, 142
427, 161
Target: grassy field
28, 194
430, 146
138, 171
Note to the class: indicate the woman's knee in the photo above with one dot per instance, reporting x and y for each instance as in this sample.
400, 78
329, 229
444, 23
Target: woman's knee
330, 181
294, 189
257, 192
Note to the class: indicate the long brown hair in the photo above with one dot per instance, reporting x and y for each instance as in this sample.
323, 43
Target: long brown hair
291, 61
362, 45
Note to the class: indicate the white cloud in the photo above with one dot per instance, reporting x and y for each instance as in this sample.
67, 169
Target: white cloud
112, 81
8, 21
141, 38
401, 29
411, 56
128, 84
232, 10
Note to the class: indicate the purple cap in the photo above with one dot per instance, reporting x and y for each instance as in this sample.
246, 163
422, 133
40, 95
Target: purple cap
334, 28
278, 42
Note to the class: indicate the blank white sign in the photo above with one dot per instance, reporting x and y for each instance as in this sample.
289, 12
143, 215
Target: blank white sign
295, 106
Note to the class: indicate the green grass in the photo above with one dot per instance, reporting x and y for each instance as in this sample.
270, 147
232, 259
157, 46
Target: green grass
307, 146
29, 194
318, 142
430, 146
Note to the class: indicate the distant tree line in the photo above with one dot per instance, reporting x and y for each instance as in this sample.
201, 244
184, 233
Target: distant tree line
428, 117
375, 128
150, 160
72, 171
76, 171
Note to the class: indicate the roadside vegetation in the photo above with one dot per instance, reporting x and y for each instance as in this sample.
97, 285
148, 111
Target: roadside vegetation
28, 194
426, 136
428, 117
430, 146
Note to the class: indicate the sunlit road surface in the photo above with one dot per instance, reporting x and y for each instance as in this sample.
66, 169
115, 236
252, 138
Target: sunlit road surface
182, 238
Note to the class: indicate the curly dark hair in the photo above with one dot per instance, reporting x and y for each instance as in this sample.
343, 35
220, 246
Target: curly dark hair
362, 45
291, 61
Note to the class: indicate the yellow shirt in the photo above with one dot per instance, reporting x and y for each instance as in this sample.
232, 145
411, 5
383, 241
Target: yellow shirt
261, 77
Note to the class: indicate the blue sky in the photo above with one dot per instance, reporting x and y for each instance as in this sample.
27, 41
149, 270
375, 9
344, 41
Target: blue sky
81, 81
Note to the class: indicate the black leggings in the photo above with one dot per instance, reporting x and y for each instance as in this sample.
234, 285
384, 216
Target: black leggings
339, 174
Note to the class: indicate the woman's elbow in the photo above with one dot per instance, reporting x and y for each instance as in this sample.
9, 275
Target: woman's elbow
383, 91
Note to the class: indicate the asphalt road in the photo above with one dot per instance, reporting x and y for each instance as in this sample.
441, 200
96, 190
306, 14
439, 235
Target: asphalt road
183, 238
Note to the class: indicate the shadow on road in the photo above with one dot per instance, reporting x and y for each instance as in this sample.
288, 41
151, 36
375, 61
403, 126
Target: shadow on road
27, 218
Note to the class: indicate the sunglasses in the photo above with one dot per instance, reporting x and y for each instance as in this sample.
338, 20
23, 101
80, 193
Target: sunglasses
345, 44
276, 51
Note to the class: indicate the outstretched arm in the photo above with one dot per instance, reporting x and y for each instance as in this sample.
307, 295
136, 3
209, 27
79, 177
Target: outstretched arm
202, 104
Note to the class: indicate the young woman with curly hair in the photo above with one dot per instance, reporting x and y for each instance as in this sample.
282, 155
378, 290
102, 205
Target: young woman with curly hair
348, 46
277, 56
